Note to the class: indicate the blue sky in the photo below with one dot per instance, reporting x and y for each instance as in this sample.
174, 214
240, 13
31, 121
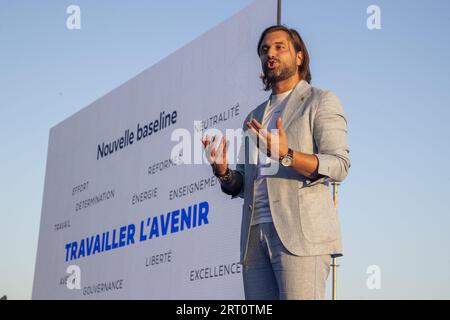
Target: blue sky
393, 82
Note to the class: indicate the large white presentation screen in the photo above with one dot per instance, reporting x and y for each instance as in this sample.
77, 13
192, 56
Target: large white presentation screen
123, 217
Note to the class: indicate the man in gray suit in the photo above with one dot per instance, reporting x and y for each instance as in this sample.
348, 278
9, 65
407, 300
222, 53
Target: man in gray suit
289, 225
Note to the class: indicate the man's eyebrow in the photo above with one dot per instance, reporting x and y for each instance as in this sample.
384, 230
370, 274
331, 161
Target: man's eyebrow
278, 42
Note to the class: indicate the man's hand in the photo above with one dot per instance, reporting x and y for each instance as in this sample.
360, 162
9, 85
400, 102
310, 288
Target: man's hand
276, 146
218, 157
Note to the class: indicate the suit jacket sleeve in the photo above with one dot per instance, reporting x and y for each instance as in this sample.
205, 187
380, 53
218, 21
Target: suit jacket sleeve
330, 137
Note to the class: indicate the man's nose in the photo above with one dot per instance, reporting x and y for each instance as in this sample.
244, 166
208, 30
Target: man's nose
271, 53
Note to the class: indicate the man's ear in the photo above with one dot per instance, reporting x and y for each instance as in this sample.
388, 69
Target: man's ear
299, 58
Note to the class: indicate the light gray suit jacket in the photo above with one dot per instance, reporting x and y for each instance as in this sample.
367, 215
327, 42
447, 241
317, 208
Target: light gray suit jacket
302, 210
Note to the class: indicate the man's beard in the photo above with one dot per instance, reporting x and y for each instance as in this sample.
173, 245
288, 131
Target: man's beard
283, 72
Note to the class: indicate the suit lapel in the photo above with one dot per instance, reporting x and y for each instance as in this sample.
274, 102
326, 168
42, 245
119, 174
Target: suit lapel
295, 103
258, 114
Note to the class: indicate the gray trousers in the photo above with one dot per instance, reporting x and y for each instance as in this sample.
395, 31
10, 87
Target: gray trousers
271, 272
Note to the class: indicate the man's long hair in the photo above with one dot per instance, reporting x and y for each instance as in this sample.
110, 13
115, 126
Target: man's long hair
298, 44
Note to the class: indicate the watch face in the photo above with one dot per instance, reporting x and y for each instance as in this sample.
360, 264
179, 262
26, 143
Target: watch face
287, 161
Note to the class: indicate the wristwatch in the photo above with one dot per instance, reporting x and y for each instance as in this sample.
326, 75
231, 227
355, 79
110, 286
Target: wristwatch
286, 161
224, 178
